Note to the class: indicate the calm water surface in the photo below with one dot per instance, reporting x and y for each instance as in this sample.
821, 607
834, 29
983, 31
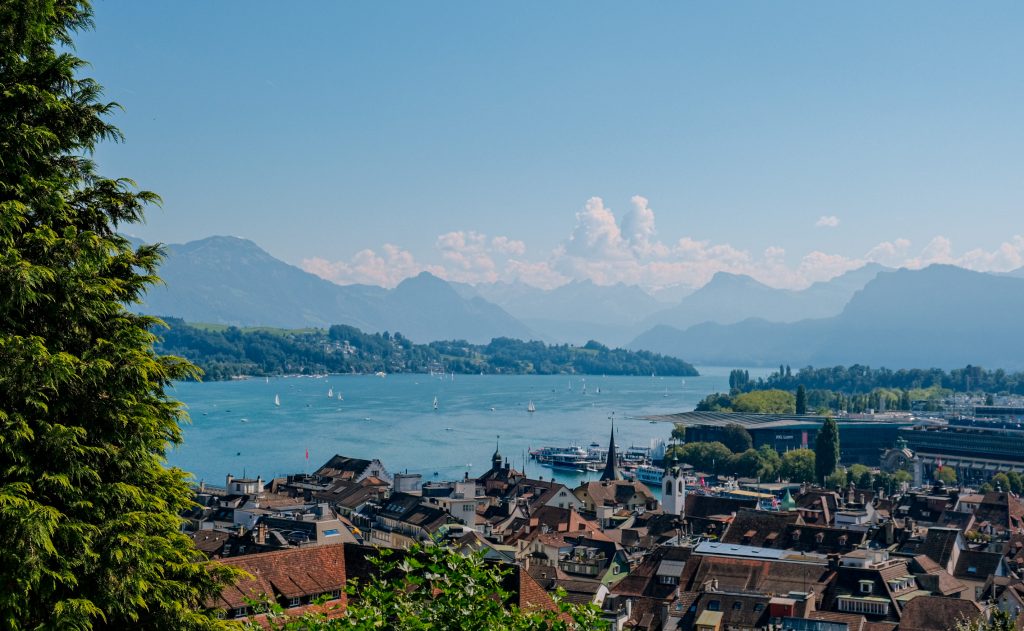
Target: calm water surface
393, 419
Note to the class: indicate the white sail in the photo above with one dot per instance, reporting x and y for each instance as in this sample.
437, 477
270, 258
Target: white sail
435, 403
277, 400
530, 407
330, 393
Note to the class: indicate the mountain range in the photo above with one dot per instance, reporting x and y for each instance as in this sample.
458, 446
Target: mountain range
940, 316
227, 280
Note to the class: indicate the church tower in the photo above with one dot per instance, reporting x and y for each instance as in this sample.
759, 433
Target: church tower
496, 458
611, 466
673, 489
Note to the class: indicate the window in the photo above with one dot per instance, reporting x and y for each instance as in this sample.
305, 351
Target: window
714, 605
865, 587
736, 606
294, 602
758, 607
668, 487
331, 532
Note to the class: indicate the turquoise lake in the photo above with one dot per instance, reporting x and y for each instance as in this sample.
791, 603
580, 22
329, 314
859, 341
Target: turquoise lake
392, 418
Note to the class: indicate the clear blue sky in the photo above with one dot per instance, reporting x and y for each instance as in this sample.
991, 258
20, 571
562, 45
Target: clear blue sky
322, 129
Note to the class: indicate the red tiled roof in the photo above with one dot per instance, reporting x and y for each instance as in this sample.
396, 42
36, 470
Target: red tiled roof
293, 573
934, 613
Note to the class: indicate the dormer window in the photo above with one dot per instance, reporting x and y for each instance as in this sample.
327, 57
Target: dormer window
865, 587
820, 537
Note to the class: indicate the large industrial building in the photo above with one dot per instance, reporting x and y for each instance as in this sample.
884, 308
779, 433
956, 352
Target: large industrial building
861, 440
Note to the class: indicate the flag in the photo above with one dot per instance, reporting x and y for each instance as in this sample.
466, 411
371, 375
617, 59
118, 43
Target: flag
938, 461
702, 482
307, 454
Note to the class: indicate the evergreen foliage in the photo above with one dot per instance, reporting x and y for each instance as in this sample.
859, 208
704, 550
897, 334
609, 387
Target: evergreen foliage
89, 528
226, 352
826, 450
798, 465
857, 379
801, 399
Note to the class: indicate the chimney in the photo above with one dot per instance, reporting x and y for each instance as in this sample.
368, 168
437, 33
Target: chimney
889, 529
230, 478
261, 533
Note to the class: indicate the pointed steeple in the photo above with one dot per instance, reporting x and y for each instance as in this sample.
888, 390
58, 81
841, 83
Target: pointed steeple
496, 458
611, 469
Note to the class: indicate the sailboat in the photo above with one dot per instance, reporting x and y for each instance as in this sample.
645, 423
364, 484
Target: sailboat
530, 407
330, 393
340, 398
268, 379
435, 404
277, 400
666, 393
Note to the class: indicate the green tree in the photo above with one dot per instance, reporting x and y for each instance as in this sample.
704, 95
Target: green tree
1016, 482
434, 588
999, 481
746, 464
89, 528
765, 402
679, 432
838, 479
1000, 621
736, 438
826, 449
945, 475
771, 462
709, 457
798, 465
801, 400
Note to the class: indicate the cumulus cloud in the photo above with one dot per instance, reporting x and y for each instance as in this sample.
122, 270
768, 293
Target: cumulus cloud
605, 249
827, 221
387, 268
504, 245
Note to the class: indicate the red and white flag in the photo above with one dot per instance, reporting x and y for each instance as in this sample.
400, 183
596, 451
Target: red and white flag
307, 454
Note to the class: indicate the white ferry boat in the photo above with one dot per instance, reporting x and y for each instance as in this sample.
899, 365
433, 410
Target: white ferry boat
649, 474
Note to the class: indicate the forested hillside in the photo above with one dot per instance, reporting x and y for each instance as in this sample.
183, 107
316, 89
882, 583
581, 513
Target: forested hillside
226, 352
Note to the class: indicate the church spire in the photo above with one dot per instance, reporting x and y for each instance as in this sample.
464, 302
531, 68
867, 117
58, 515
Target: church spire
611, 469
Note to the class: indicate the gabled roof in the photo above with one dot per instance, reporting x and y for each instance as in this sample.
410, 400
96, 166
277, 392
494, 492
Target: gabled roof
293, 573
939, 545
934, 578
934, 613
977, 565
759, 528
616, 492
343, 467
765, 576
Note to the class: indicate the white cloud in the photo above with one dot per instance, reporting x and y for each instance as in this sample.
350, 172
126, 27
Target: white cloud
468, 254
504, 245
827, 221
606, 251
387, 269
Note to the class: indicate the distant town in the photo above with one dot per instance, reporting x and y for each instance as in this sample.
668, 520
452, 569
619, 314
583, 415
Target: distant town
921, 523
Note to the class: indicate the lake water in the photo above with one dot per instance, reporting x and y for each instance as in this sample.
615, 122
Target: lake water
393, 419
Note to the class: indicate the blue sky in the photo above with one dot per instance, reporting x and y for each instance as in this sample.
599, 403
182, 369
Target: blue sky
369, 141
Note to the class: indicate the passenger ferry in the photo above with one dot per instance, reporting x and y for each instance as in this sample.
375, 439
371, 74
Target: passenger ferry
649, 474
571, 460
